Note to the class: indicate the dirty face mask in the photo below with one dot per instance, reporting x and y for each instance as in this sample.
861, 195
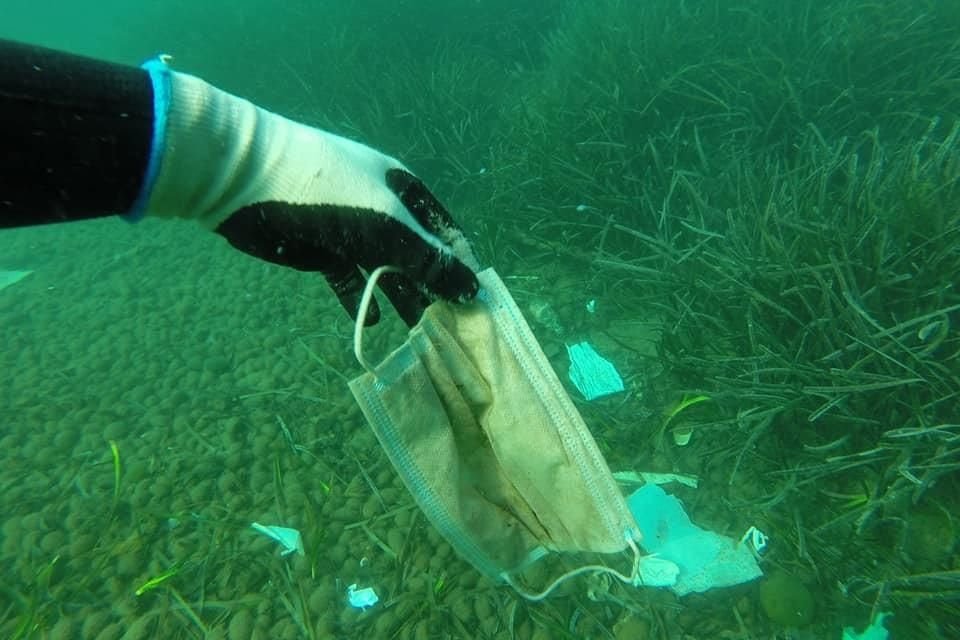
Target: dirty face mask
484, 436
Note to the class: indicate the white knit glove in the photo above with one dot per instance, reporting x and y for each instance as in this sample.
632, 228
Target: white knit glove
307, 199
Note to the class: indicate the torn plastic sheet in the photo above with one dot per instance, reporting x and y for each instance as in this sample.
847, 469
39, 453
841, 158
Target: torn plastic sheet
704, 558
591, 373
362, 598
289, 539
876, 630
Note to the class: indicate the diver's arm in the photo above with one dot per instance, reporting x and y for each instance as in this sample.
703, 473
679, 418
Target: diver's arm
75, 135
82, 138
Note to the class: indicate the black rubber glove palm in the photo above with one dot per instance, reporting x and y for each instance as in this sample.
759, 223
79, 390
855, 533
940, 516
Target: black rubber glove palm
343, 242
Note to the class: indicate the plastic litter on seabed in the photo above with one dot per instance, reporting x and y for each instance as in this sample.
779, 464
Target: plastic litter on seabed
876, 630
703, 559
289, 539
592, 374
362, 598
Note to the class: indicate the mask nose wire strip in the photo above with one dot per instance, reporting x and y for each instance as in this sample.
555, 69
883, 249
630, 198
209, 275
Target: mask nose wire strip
362, 315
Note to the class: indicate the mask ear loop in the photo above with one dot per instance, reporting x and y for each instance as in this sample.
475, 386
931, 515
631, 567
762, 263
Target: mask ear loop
631, 579
358, 325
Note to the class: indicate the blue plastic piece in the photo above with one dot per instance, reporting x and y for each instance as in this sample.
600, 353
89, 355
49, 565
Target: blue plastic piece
590, 373
706, 560
876, 630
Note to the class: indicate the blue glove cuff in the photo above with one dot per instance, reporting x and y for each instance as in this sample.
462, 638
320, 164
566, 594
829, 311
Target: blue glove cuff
160, 77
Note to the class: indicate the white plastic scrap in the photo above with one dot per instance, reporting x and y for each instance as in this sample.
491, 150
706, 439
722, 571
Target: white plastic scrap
590, 373
758, 539
876, 630
289, 539
362, 598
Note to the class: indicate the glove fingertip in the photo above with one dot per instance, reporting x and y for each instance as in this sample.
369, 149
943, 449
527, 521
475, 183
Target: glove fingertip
455, 281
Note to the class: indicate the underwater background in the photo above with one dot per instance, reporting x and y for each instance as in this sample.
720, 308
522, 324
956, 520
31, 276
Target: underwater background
762, 199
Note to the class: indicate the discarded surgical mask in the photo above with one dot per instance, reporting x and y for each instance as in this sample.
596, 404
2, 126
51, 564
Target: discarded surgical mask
483, 434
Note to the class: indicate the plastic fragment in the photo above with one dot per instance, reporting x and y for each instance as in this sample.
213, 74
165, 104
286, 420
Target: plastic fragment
876, 630
757, 539
682, 435
362, 598
289, 539
590, 373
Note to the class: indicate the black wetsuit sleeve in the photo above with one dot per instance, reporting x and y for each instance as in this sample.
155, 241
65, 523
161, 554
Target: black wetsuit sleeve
75, 135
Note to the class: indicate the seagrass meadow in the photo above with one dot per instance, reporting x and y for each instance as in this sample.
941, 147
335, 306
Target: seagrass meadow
762, 200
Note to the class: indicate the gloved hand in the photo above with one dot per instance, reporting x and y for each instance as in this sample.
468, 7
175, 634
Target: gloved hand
304, 198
